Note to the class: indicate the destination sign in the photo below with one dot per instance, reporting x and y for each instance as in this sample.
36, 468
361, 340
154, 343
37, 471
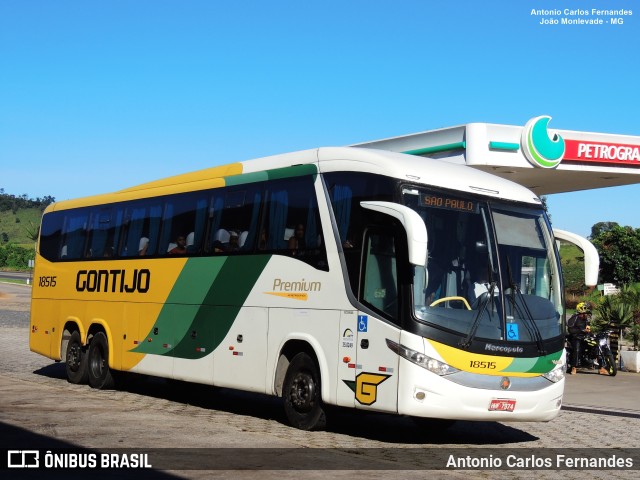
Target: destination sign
448, 203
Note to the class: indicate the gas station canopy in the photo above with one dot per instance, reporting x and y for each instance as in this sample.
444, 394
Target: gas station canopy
545, 161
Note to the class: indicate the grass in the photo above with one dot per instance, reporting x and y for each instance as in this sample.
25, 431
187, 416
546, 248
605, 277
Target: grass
17, 225
17, 282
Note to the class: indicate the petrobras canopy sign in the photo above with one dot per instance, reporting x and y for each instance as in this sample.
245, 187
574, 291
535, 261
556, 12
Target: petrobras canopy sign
542, 148
546, 149
600, 152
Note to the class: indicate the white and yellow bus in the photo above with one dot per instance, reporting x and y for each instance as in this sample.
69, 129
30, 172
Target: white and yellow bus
335, 276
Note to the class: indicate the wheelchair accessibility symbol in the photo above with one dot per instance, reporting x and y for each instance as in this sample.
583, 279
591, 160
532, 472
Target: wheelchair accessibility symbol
362, 323
512, 331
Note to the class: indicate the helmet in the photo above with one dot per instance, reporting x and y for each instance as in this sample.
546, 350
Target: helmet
583, 307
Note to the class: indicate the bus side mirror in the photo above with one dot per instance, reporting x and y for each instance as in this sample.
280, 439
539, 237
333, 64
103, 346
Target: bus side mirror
413, 225
591, 257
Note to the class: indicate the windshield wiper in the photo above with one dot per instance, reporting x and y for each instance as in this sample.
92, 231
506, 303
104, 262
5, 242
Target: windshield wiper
466, 342
530, 323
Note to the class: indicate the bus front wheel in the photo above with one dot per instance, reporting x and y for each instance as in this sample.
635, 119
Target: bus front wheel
76, 360
302, 399
98, 362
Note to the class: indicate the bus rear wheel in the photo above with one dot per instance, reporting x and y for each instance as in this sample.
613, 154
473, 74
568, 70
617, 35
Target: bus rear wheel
301, 390
76, 360
98, 363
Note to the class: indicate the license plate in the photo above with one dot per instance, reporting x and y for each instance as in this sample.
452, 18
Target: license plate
502, 405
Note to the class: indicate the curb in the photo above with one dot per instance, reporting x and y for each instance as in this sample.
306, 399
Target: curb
601, 411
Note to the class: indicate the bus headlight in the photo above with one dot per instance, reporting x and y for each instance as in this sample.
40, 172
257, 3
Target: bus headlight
422, 360
556, 374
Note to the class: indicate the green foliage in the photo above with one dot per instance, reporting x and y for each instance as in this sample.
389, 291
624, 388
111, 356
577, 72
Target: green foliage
14, 203
22, 232
19, 232
611, 310
622, 310
630, 294
602, 227
572, 260
15, 257
619, 250
33, 231
633, 332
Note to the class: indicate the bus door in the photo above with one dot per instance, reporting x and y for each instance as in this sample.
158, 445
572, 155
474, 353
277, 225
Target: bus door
376, 382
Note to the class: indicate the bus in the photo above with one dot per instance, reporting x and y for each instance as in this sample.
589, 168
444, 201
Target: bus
336, 276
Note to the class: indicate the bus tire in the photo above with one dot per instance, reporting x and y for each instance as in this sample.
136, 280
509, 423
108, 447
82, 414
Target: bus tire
302, 396
98, 363
76, 360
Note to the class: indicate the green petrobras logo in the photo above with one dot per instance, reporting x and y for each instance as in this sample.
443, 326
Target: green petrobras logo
542, 148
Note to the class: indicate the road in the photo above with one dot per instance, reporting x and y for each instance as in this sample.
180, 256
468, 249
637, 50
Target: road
40, 409
14, 275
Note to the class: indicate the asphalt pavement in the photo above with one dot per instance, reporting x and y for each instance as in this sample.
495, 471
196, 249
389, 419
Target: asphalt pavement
590, 392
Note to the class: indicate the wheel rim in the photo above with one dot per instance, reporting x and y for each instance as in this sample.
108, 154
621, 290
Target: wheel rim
302, 393
97, 362
74, 357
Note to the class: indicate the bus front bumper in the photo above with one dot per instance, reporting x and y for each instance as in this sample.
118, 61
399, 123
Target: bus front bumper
477, 397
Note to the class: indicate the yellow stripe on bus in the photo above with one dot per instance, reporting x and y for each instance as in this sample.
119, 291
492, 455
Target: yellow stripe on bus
476, 362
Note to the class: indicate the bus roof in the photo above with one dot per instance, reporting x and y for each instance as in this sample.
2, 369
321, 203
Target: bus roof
415, 169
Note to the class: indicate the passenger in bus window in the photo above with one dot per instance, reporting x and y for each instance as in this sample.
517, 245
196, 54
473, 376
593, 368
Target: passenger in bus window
143, 246
262, 243
297, 242
234, 242
181, 246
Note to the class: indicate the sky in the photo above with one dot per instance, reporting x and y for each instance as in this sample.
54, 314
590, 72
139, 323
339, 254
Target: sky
102, 95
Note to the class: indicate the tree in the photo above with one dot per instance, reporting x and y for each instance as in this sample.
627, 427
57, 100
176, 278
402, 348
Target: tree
602, 227
630, 296
12, 256
543, 199
619, 250
572, 269
33, 231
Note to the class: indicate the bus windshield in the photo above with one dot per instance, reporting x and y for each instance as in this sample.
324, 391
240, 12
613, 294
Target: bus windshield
491, 270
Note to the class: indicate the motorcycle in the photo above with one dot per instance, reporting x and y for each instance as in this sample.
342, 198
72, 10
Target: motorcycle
595, 352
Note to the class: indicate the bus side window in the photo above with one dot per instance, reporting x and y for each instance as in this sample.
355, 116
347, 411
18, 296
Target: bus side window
74, 235
233, 219
51, 236
291, 224
380, 275
98, 232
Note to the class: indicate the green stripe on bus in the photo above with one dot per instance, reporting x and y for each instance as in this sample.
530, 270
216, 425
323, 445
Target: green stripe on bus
534, 365
221, 306
547, 363
275, 174
191, 288
246, 178
293, 171
202, 306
